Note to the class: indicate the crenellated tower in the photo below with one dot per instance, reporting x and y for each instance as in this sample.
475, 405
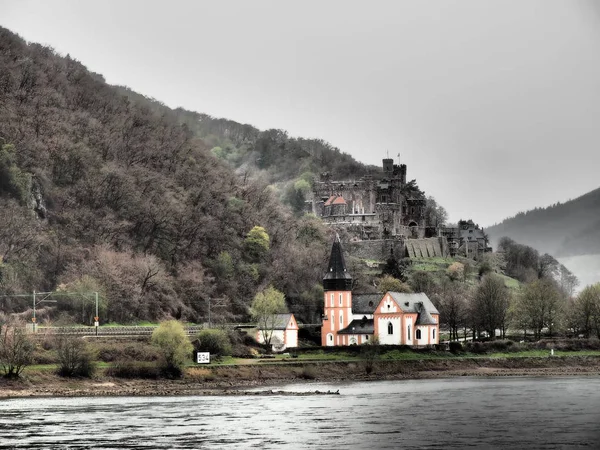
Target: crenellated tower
337, 307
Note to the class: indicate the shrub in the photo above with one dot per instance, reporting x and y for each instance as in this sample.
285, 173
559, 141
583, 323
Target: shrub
456, 347
133, 369
117, 351
216, 342
74, 357
370, 352
174, 346
16, 350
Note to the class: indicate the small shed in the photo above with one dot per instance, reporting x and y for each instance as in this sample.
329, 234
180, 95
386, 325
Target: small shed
285, 332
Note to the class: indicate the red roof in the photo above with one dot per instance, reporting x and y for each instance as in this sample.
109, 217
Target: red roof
339, 201
329, 200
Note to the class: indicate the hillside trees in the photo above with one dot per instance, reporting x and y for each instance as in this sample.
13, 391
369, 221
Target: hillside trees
135, 199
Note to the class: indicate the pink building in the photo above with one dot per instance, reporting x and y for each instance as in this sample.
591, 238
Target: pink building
394, 318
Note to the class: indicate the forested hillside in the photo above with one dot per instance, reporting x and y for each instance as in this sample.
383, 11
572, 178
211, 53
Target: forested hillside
289, 164
99, 192
567, 229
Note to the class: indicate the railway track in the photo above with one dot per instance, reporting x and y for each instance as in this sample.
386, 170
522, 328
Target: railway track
134, 330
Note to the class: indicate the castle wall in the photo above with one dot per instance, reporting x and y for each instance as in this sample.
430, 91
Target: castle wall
377, 250
427, 248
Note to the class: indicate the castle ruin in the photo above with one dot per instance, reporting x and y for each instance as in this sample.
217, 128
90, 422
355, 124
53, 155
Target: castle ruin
384, 214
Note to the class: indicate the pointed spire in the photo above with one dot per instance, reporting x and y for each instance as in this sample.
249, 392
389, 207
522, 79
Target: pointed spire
337, 277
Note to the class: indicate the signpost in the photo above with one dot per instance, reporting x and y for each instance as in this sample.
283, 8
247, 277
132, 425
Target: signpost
203, 357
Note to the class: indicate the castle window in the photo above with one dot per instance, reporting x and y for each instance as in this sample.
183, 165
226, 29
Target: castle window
409, 336
330, 337
418, 334
340, 299
366, 337
390, 328
331, 299
434, 333
341, 320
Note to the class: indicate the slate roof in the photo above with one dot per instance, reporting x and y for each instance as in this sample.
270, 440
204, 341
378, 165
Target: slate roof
424, 318
365, 303
412, 302
281, 321
359, 326
337, 277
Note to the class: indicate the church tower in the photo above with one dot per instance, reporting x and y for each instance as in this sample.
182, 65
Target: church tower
337, 307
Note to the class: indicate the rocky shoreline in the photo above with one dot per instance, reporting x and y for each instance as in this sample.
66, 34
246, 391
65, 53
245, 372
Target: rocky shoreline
248, 380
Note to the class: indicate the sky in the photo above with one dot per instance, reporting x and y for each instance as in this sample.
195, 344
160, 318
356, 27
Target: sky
493, 105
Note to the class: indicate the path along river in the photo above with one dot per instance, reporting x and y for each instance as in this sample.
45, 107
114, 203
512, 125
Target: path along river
515, 413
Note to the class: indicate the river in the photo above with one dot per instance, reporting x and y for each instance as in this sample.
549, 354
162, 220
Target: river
459, 413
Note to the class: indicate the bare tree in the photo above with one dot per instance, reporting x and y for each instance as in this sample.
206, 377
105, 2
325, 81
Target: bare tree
16, 350
491, 304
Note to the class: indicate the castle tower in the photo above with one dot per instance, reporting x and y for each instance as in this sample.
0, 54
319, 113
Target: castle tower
337, 306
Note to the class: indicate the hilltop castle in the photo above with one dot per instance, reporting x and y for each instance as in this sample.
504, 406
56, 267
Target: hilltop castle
374, 207
382, 213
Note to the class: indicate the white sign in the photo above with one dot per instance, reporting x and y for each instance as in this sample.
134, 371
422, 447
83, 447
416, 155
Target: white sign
203, 357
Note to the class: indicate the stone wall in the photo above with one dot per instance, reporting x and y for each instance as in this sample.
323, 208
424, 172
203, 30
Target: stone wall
427, 248
378, 250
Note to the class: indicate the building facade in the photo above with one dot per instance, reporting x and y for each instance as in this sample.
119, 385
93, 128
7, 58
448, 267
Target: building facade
393, 318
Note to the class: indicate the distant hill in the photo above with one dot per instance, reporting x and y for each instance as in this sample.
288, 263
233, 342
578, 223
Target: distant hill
563, 230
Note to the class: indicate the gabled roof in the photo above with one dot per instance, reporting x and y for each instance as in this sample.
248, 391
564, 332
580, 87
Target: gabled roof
414, 303
337, 277
359, 327
365, 303
282, 320
330, 200
339, 201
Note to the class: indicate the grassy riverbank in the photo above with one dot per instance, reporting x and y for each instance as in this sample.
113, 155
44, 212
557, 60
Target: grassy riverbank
229, 377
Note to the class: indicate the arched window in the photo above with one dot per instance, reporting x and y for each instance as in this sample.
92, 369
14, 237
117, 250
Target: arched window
340, 299
390, 328
341, 319
331, 338
409, 335
418, 334
331, 299
434, 334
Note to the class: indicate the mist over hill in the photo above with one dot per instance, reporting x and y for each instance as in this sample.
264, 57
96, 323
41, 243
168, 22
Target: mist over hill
563, 229
569, 231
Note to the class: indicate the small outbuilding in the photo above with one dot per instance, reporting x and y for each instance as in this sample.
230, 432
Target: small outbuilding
283, 335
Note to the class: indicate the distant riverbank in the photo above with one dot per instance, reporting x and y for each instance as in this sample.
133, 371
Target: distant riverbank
223, 380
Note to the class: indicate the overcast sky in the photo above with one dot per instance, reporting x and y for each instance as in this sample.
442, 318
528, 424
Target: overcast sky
494, 105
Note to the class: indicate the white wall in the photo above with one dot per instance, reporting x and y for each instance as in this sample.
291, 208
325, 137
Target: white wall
291, 338
424, 336
384, 337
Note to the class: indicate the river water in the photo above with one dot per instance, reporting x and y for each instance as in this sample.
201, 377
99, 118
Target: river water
514, 413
